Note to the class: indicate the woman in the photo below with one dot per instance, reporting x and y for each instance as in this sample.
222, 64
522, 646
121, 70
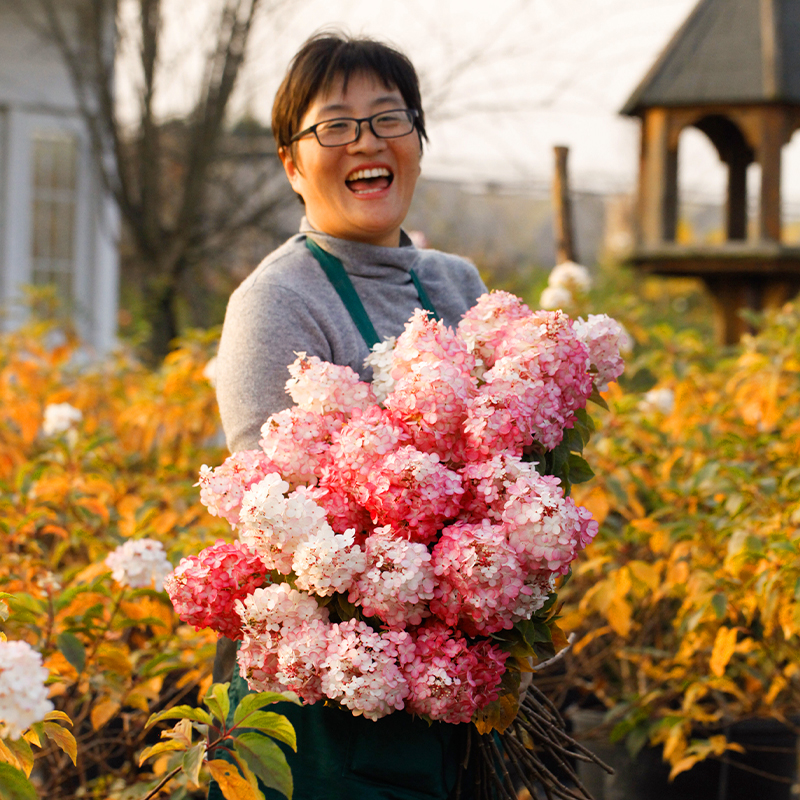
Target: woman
349, 127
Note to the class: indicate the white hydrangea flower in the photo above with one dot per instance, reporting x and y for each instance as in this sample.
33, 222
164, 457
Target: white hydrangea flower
139, 563
273, 524
210, 371
380, 359
555, 297
573, 277
328, 562
661, 400
23, 695
60, 418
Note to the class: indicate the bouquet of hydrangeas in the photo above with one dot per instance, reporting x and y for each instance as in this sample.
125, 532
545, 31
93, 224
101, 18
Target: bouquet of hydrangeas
399, 541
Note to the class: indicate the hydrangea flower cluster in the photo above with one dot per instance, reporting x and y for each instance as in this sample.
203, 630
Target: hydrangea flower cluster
388, 530
139, 563
23, 694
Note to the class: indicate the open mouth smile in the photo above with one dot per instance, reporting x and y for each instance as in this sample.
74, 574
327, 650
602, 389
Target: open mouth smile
369, 181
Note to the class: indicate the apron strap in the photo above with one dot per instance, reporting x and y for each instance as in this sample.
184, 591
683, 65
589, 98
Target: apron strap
340, 280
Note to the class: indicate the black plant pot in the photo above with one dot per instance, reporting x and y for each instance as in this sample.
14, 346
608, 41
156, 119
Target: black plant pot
767, 770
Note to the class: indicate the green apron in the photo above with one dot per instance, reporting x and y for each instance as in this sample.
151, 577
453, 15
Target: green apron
342, 757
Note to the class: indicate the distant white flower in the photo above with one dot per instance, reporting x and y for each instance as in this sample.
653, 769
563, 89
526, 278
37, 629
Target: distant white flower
556, 297
23, 695
60, 418
661, 400
418, 239
139, 563
210, 371
573, 277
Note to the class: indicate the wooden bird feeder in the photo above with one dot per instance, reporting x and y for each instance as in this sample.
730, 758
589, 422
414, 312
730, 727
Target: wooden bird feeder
733, 72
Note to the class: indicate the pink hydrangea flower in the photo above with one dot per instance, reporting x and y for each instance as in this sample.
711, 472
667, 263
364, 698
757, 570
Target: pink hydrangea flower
425, 339
397, 580
486, 484
431, 400
297, 442
363, 669
367, 437
414, 493
205, 588
343, 511
321, 387
432, 369
221, 488
606, 340
273, 523
448, 679
484, 326
481, 582
545, 528
538, 381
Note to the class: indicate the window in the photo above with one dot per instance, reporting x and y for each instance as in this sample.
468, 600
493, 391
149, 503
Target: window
55, 157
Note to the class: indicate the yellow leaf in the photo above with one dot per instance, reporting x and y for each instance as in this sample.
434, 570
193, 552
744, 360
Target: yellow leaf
232, 784
114, 658
618, 615
497, 715
686, 763
778, 685
103, 711
646, 573
724, 645
590, 637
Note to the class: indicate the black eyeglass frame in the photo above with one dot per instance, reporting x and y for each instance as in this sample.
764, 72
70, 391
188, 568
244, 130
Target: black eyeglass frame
411, 112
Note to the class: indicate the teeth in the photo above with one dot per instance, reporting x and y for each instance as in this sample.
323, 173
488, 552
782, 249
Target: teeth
377, 172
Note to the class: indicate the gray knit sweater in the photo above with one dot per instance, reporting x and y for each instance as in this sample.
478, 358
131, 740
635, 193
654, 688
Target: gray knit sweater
287, 305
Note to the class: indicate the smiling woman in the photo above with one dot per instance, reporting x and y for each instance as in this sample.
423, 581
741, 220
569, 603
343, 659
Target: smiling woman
349, 125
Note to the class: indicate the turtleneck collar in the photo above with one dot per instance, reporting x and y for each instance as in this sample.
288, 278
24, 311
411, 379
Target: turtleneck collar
367, 260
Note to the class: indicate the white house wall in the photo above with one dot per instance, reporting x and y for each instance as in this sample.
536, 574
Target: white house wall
36, 97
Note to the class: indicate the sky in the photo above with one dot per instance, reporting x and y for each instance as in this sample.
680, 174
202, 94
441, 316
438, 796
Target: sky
505, 80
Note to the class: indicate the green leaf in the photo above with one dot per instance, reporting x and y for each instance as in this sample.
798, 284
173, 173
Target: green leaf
192, 761
719, 602
641, 381
579, 469
266, 760
73, 650
14, 785
597, 398
584, 424
62, 738
218, 701
181, 712
254, 702
274, 725
162, 747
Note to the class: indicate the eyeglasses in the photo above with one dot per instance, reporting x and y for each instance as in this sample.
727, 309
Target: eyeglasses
345, 130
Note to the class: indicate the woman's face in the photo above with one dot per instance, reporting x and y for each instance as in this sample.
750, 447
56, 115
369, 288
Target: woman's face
337, 200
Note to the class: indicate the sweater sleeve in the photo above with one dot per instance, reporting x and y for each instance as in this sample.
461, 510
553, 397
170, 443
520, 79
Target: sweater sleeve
265, 326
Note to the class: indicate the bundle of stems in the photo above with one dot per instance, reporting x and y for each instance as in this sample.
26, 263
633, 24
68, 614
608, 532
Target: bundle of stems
535, 753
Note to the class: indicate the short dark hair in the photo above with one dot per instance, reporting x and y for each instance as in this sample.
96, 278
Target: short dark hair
328, 56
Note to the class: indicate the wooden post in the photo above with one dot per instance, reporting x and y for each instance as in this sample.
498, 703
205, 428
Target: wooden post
736, 206
769, 156
658, 180
562, 209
